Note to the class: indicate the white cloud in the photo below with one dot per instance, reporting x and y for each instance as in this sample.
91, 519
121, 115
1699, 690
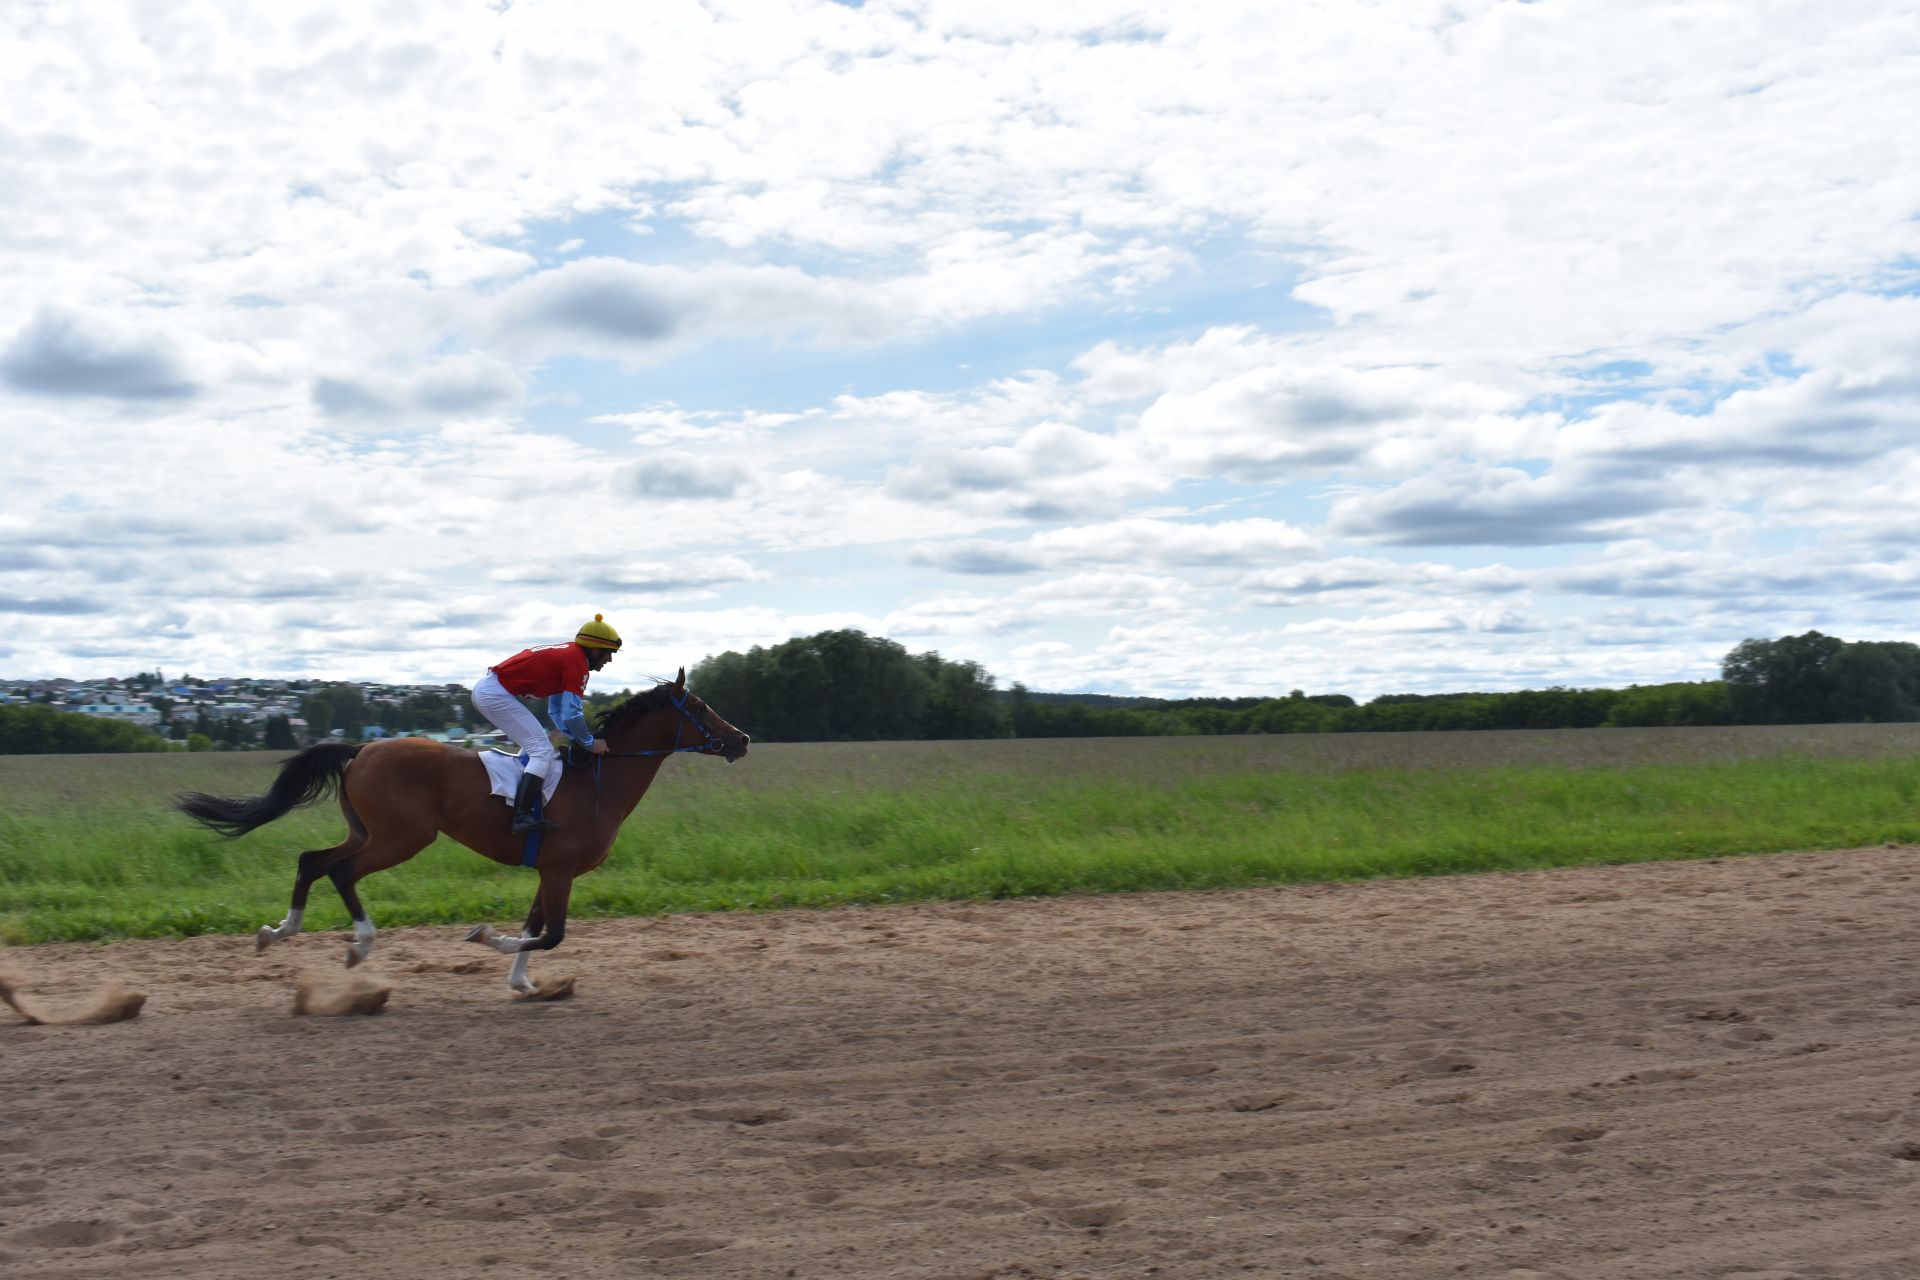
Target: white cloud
1051, 471
476, 384
1135, 541
61, 354
1464, 505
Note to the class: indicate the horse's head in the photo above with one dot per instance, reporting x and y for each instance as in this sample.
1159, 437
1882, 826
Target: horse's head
722, 738
668, 719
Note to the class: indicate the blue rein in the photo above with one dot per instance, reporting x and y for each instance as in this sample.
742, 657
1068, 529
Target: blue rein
708, 741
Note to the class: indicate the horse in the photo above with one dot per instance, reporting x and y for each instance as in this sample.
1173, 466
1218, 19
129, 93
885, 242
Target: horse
400, 793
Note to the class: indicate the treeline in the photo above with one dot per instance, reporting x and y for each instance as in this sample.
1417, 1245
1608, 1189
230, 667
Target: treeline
35, 730
849, 686
845, 685
1692, 703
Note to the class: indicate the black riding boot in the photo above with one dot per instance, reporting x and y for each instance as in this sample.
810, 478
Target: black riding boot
523, 800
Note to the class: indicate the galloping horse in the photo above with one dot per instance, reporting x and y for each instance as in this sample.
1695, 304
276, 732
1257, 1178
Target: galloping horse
399, 794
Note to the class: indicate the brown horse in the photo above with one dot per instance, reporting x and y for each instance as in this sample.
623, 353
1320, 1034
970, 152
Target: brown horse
399, 794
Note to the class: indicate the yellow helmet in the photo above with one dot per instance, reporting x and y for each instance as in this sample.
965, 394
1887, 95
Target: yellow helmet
598, 635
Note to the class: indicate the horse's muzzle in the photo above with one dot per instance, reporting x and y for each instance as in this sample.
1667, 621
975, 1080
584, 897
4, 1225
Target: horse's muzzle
734, 749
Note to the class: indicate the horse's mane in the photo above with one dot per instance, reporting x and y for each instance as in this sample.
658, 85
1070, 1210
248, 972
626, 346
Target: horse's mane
621, 714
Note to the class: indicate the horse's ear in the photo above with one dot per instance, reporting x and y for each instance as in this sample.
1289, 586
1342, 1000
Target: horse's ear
680, 681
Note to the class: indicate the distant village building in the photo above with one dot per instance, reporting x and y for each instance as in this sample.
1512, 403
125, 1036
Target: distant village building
185, 701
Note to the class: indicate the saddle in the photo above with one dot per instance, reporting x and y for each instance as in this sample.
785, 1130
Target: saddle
503, 773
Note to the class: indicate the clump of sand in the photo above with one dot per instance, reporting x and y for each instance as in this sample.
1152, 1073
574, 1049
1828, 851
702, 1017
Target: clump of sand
335, 998
112, 1003
548, 989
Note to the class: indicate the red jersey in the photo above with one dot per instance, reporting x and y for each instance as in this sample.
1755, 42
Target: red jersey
544, 670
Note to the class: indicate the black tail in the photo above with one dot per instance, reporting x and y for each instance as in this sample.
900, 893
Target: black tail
303, 779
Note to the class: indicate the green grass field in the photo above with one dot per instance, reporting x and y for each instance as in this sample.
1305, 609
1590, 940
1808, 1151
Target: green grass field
90, 849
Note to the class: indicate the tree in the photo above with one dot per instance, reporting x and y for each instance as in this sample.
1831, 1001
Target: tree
960, 701
318, 713
1784, 681
37, 729
279, 735
1875, 680
833, 686
349, 707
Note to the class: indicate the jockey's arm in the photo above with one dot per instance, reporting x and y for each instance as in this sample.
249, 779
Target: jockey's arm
569, 715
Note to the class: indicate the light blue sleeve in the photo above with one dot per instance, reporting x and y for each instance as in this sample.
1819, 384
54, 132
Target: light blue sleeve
569, 715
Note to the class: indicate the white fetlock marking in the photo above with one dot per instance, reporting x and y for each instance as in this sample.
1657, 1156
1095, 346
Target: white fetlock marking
272, 933
517, 976
363, 936
507, 944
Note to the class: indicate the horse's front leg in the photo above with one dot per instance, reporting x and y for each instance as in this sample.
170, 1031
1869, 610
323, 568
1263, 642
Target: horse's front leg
512, 944
549, 914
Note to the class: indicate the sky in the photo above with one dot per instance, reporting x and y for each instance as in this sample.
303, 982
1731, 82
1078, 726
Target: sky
1171, 349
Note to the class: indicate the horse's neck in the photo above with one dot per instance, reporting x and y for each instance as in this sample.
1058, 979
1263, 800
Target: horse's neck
627, 783
654, 733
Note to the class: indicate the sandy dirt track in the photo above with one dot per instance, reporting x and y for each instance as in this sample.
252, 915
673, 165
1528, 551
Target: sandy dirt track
1691, 1069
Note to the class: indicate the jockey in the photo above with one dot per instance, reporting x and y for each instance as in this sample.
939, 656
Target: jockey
558, 673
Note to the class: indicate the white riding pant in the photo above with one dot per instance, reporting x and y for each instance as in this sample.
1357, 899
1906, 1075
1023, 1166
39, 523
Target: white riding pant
509, 715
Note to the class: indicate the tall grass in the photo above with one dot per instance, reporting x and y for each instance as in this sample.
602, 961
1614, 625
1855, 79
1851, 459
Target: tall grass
88, 848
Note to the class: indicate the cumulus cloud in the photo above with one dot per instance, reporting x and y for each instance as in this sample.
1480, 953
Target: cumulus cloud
643, 312
692, 575
61, 354
1136, 541
683, 475
51, 607
1647, 572
1052, 471
1496, 506
1349, 580
474, 384
1414, 622
1096, 594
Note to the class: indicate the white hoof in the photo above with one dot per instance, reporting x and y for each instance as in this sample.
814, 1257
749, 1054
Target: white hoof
267, 936
482, 934
354, 954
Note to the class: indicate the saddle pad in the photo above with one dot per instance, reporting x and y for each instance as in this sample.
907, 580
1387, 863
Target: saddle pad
504, 769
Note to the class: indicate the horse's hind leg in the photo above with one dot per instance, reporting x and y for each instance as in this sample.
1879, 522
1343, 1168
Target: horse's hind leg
314, 863
346, 873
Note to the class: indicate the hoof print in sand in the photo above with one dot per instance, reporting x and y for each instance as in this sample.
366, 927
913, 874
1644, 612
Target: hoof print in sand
677, 1247
1085, 1217
359, 995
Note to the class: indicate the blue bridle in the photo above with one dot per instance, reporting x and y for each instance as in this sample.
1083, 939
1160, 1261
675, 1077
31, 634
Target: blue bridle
707, 741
